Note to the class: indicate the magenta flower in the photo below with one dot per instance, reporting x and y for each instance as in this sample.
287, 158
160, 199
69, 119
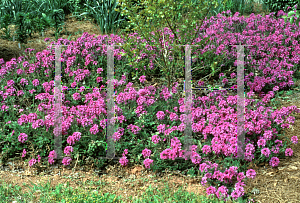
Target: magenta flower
288, 152
294, 139
160, 115
39, 158
24, 153
68, 149
142, 79
211, 190
71, 140
148, 162
274, 162
123, 161
222, 192
125, 152
155, 139
146, 152
66, 161
22, 137
251, 173
32, 162
35, 82
266, 152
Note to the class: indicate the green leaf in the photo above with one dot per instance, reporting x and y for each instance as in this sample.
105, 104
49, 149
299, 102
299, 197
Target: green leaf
291, 13
292, 20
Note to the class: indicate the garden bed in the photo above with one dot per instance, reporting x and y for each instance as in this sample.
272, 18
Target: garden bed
278, 184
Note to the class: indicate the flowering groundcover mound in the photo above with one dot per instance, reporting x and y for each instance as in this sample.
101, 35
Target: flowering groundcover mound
139, 112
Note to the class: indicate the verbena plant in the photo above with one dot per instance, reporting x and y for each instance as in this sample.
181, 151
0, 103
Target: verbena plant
150, 123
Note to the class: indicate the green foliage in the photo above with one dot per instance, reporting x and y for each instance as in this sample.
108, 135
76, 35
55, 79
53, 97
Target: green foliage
291, 15
24, 27
41, 23
4, 22
77, 6
177, 16
32, 16
16, 11
105, 14
237, 6
65, 5
220, 7
277, 5
58, 21
125, 24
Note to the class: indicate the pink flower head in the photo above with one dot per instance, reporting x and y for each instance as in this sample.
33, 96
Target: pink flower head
146, 152
123, 161
148, 162
22, 137
125, 152
222, 192
142, 79
71, 140
53, 154
288, 152
276, 88
274, 162
68, 149
66, 161
251, 173
294, 139
160, 115
211, 190
266, 152
200, 83
35, 82
155, 139
77, 136
24, 153
39, 158
261, 142
32, 162
10, 83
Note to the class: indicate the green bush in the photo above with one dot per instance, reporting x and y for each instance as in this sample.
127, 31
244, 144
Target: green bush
277, 5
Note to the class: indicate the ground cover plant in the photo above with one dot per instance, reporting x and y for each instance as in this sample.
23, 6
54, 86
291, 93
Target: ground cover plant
145, 135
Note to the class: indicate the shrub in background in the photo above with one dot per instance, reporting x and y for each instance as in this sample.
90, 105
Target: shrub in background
292, 14
277, 5
161, 13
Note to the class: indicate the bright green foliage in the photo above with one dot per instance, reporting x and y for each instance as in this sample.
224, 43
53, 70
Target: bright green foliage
106, 16
277, 5
31, 16
179, 16
291, 13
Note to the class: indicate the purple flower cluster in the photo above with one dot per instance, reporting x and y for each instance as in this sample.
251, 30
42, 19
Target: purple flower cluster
124, 161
